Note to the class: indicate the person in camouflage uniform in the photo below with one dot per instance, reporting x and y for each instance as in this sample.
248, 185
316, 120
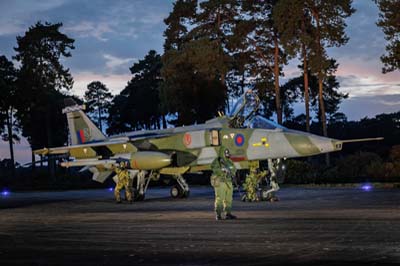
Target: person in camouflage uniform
123, 182
223, 172
251, 183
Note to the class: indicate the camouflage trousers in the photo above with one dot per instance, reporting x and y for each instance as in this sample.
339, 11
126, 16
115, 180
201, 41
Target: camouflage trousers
123, 183
250, 186
223, 197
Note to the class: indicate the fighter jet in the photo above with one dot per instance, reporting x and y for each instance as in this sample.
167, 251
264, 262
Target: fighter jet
250, 138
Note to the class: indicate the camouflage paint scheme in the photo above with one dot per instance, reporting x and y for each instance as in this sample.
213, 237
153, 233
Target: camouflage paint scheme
180, 150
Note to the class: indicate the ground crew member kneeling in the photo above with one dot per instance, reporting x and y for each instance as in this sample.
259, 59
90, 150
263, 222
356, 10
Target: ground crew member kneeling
221, 179
122, 182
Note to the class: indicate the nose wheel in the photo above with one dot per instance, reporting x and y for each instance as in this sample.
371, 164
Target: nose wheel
275, 169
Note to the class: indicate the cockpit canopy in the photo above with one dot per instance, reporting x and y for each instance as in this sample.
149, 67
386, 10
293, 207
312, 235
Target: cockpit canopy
244, 114
246, 105
261, 122
244, 109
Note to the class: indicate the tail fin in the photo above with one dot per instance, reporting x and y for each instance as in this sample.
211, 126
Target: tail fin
81, 128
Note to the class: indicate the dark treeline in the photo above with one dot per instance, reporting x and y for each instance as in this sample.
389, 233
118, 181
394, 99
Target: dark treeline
213, 51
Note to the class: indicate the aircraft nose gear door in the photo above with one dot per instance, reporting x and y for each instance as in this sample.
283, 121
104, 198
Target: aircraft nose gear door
181, 189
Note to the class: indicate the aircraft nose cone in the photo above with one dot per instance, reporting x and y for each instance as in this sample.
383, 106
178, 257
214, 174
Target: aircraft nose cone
324, 144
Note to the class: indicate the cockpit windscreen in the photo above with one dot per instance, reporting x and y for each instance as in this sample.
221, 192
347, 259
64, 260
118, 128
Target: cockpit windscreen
261, 122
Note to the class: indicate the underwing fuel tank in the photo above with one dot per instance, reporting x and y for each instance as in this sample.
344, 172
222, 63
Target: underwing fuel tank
149, 160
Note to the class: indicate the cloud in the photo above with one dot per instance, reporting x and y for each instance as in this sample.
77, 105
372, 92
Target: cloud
22, 151
87, 29
114, 63
17, 15
369, 106
358, 107
10, 28
114, 82
358, 85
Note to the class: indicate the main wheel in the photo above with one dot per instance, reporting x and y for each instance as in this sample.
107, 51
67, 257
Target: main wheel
136, 196
186, 194
265, 195
176, 192
140, 197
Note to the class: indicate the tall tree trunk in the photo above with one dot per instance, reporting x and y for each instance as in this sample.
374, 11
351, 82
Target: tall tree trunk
99, 120
276, 81
322, 105
305, 74
99, 111
219, 39
33, 163
323, 114
320, 85
164, 121
158, 123
10, 140
50, 159
306, 90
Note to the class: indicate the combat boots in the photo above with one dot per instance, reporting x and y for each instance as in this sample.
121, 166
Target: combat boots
230, 216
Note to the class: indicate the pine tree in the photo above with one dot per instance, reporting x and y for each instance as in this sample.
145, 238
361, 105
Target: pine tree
195, 62
97, 99
294, 24
138, 105
182, 15
329, 21
8, 76
41, 80
268, 55
389, 21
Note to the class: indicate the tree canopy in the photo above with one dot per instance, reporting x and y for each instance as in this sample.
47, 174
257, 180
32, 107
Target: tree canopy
138, 106
389, 21
41, 80
9, 127
98, 99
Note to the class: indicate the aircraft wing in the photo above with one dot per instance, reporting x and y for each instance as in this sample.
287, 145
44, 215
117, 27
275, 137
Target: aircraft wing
92, 150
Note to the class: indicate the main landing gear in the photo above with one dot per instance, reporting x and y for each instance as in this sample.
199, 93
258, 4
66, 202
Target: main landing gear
143, 179
181, 189
139, 181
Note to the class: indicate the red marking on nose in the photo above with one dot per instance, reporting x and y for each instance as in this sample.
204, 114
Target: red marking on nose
238, 159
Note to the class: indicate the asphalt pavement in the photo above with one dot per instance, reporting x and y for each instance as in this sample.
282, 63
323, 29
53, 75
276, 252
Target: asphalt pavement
308, 226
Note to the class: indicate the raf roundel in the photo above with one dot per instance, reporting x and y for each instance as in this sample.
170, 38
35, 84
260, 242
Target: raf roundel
239, 140
187, 139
